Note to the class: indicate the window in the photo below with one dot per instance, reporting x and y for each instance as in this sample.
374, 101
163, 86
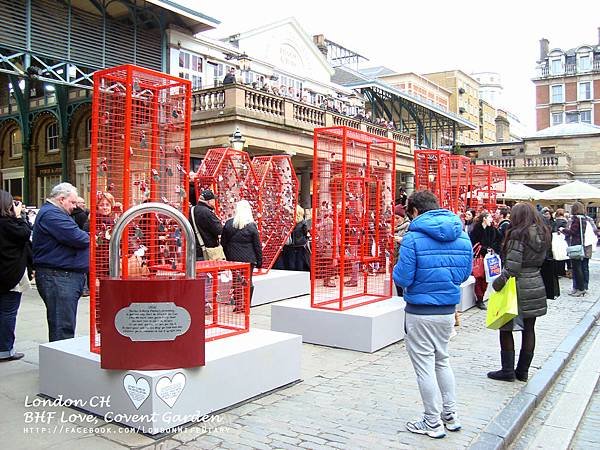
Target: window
556, 66
547, 150
585, 90
556, 93
15, 144
585, 62
88, 132
585, 116
557, 118
52, 138
507, 152
572, 117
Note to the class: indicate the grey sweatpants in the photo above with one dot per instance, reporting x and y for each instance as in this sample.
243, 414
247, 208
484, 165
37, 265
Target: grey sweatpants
427, 345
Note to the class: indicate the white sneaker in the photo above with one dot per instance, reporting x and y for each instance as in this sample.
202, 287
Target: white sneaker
451, 422
423, 427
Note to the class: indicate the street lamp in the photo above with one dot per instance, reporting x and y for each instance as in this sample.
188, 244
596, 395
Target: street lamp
236, 140
244, 61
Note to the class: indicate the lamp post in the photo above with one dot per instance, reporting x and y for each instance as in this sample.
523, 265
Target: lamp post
237, 140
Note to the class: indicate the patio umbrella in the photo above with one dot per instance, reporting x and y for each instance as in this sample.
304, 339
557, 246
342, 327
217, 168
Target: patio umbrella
576, 190
518, 191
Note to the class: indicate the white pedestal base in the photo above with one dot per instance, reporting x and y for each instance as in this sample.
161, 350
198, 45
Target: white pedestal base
237, 368
366, 328
467, 295
279, 285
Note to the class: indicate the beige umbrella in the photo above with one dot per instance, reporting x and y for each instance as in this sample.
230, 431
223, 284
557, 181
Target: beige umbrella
518, 191
576, 190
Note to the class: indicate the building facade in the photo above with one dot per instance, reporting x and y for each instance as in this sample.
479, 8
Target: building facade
464, 100
567, 85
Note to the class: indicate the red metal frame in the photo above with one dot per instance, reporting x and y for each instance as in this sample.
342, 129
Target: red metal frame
459, 173
432, 172
486, 182
227, 287
140, 152
230, 175
278, 199
352, 224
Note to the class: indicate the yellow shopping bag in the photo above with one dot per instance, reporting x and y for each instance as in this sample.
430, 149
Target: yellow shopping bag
502, 306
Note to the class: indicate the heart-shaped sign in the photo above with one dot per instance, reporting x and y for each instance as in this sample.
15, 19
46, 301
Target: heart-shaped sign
138, 391
169, 389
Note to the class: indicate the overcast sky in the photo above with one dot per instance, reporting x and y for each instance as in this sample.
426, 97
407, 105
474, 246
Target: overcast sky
426, 35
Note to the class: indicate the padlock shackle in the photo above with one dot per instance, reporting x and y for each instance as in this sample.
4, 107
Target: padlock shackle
114, 253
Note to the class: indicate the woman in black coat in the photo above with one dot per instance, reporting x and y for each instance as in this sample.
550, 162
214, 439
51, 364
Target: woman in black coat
524, 251
241, 242
15, 253
486, 235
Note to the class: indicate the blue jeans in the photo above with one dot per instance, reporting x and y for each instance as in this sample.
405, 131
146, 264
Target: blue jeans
9, 305
60, 291
585, 268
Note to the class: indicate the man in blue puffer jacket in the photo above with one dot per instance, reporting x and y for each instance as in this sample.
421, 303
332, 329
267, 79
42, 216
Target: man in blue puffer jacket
435, 258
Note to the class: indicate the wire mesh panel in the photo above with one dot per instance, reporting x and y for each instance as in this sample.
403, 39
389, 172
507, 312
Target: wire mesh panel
459, 172
226, 295
278, 198
486, 182
140, 152
230, 175
352, 223
432, 172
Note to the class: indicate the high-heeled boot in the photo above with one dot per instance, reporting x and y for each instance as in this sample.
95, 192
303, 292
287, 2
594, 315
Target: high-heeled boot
507, 373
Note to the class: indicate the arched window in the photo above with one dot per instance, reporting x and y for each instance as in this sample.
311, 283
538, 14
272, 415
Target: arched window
88, 132
15, 144
52, 138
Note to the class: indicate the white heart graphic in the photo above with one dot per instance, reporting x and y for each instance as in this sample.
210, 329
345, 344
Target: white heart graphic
169, 389
138, 391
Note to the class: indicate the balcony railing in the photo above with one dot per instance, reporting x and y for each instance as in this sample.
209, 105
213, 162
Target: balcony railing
276, 108
567, 69
557, 163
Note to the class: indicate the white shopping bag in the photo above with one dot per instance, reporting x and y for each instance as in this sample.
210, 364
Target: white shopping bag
492, 266
559, 247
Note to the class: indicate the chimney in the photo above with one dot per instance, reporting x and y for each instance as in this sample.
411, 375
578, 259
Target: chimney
502, 127
319, 41
544, 44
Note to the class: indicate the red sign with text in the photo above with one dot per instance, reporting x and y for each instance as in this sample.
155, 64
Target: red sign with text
152, 324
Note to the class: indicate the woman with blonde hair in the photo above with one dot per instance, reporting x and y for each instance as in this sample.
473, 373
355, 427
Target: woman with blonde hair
241, 241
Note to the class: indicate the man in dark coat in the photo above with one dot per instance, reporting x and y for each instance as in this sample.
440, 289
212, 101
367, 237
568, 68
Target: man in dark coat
81, 214
208, 224
230, 77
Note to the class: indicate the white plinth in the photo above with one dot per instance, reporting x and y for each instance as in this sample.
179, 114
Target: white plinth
467, 295
367, 328
278, 285
237, 368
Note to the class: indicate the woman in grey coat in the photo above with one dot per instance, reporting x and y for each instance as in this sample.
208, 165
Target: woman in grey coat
524, 251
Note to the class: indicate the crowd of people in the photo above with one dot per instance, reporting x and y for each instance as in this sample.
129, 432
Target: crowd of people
434, 256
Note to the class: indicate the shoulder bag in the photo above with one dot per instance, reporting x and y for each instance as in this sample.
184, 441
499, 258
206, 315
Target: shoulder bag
209, 253
577, 251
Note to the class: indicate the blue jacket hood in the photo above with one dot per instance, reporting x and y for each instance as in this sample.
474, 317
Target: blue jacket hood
439, 224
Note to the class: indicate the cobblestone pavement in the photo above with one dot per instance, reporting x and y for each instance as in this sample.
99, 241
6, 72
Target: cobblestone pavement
539, 418
346, 399
588, 434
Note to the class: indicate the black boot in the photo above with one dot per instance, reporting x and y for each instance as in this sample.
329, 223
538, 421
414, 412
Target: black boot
507, 373
480, 304
523, 366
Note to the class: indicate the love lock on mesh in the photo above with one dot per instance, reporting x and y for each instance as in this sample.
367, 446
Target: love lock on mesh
152, 323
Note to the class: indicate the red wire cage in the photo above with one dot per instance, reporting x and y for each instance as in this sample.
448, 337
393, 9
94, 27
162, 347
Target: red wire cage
278, 199
231, 177
353, 220
140, 152
486, 182
432, 172
459, 174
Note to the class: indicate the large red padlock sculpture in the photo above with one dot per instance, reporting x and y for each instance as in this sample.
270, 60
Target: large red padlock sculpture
140, 153
353, 220
155, 323
278, 199
459, 173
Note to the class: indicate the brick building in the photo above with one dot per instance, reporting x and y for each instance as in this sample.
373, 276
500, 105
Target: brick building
568, 85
